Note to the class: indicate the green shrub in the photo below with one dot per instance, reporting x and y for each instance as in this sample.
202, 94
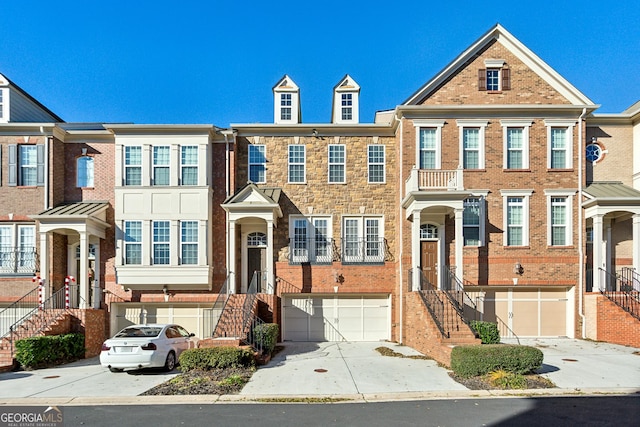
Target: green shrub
266, 336
215, 358
488, 331
36, 352
470, 361
507, 380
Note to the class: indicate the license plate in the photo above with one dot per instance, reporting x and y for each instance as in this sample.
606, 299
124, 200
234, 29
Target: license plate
124, 349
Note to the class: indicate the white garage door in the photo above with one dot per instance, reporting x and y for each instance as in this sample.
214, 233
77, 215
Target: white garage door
336, 318
530, 312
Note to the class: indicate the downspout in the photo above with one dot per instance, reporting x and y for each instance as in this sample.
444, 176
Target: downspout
48, 140
580, 239
400, 234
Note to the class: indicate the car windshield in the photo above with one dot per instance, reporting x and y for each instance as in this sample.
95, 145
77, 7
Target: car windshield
139, 331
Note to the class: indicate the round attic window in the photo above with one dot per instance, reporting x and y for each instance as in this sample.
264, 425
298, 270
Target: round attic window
593, 152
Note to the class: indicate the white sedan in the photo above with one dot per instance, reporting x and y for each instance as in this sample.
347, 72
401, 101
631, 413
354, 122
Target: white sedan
146, 346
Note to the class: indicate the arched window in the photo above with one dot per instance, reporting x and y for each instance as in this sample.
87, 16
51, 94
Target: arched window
84, 171
257, 240
428, 231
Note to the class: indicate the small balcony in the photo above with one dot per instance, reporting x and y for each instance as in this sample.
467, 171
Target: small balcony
325, 251
435, 180
18, 260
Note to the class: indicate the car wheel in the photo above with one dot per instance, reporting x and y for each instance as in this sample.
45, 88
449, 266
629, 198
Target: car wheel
116, 370
170, 363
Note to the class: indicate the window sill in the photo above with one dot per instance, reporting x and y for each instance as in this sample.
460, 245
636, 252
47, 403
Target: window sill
559, 170
516, 247
560, 247
474, 170
516, 170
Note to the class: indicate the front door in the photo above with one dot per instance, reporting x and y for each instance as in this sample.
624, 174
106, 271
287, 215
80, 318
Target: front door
254, 264
429, 261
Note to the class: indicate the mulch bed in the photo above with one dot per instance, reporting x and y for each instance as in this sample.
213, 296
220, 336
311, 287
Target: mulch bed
216, 381
483, 383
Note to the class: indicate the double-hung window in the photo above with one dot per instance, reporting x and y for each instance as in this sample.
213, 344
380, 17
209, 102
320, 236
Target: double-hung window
515, 135
297, 163
376, 164
560, 144
17, 257
132, 165
347, 106
362, 240
189, 242
337, 162
257, 164
559, 213
428, 137
495, 77
310, 241
472, 143
516, 217
473, 221
161, 156
26, 165
189, 165
285, 106
132, 242
161, 239
84, 172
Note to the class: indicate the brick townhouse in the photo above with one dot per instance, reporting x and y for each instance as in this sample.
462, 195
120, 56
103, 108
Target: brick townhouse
494, 192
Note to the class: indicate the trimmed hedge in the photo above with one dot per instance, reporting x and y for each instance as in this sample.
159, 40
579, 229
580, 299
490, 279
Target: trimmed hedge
210, 358
488, 331
266, 336
37, 352
470, 361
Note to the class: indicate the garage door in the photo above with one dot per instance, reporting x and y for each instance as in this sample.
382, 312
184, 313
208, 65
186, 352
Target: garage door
190, 317
336, 318
531, 312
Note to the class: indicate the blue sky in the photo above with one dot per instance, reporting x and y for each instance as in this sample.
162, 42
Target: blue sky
215, 62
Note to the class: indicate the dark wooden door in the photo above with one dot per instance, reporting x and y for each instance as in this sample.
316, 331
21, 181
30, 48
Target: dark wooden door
429, 261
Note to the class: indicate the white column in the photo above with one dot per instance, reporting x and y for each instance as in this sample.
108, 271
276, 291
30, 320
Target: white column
44, 265
608, 253
597, 254
97, 290
231, 255
459, 243
415, 250
269, 261
83, 274
636, 242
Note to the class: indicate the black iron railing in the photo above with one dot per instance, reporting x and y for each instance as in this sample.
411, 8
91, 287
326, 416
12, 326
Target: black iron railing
314, 251
430, 297
219, 306
17, 310
622, 289
18, 260
454, 289
363, 251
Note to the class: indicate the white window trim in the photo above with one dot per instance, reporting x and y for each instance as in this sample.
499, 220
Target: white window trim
482, 195
4, 105
526, 195
125, 243
482, 125
125, 167
362, 235
429, 124
569, 125
265, 162
310, 233
551, 193
384, 164
344, 164
154, 166
294, 106
183, 243
304, 164
525, 125
154, 243
184, 165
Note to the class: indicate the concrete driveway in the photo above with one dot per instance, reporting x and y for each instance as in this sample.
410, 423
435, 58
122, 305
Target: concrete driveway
84, 378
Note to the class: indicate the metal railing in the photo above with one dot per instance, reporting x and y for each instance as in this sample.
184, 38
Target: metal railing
18, 310
43, 315
363, 250
621, 290
18, 260
505, 331
218, 306
285, 287
454, 289
314, 251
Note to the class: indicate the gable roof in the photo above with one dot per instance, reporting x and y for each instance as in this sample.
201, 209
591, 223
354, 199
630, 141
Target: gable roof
5, 81
501, 35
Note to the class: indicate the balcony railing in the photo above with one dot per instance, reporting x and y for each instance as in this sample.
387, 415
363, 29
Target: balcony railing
435, 179
314, 251
352, 251
18, 260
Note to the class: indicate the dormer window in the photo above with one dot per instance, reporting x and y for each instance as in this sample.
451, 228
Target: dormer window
345, 101
285, 106
347, 106
495, 77
286, 102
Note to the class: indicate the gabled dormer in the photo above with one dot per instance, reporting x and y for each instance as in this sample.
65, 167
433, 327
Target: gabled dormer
286, 102
346, 101
16, 105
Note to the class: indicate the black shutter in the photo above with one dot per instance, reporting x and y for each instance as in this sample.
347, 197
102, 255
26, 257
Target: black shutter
40, 165
506, 79
482, 79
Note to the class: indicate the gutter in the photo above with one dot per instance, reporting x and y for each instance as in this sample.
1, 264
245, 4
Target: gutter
400, 254
581, 262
